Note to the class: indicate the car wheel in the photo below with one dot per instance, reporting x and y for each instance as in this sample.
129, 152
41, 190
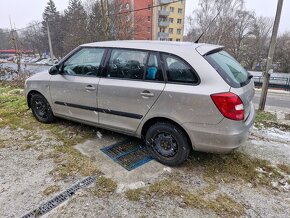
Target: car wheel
168, 143
41, 109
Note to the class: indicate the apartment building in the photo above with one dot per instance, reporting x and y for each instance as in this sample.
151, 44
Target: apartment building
165, 22
168, 20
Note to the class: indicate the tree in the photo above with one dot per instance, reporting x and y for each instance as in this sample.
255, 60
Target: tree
75, 19
282, 53
4, 39
52, 17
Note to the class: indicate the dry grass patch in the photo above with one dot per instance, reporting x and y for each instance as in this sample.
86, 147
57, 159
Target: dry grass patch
284, 168
235, 167
204, 199
134, 194
104, 187
51, 189
223, 205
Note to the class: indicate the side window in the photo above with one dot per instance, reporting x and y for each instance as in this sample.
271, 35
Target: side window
178, 71
153, 70
128, 64
85, 62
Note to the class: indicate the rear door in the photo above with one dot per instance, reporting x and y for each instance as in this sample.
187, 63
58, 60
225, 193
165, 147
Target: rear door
131, 84
74, 91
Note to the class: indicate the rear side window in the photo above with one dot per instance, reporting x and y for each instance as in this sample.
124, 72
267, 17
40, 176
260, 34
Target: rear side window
229, 69
179, 71
153, 69
129, 64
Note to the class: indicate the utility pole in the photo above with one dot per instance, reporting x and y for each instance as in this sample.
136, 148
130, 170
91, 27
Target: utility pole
49, 40
269, 66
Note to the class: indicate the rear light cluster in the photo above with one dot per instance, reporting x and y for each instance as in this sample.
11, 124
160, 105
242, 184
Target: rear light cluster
230, 105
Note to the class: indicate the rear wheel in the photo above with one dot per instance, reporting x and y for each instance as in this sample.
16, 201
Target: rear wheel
41, 109
168, 143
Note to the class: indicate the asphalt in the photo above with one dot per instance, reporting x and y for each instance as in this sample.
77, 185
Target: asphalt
281, 100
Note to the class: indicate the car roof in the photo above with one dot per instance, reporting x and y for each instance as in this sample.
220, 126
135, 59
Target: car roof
164, 46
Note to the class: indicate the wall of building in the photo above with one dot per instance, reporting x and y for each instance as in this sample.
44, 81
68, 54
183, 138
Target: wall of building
176, 11
143, 19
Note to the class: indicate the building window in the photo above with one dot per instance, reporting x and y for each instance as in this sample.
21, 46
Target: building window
179, 11
170, 39
149, 7
171, 20
177, 40
179, 21
127, 6
178, 31
149, 18
148, 29
171, 30
171, 9
181, 2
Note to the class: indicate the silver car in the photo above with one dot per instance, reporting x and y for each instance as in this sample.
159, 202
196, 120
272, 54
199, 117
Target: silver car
176, 96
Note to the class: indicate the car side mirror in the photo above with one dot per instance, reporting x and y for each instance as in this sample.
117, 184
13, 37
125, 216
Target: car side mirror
54, 70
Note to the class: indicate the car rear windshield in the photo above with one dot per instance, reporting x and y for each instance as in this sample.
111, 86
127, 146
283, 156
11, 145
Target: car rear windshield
229, 69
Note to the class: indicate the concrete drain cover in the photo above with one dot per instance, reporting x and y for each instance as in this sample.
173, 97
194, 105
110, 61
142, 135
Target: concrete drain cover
129, 154
53, 203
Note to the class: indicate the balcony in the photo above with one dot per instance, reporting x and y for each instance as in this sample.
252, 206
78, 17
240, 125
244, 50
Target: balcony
164, 23
164, 13
163, 35
165, 1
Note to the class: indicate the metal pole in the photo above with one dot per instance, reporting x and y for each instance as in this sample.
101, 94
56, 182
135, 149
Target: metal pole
270, 56
49, 41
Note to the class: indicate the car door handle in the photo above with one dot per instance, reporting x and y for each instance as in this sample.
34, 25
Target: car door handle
146, 93
90, 88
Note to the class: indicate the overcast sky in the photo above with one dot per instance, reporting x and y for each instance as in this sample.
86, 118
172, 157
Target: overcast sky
24, 11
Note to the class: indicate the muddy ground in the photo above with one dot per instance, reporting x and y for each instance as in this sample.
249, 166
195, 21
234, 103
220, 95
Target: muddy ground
37, 162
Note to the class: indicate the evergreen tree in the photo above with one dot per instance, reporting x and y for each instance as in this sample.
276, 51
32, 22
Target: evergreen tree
76, 25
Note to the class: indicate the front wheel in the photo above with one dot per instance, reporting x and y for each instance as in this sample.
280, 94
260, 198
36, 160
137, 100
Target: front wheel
168, 143
41, 109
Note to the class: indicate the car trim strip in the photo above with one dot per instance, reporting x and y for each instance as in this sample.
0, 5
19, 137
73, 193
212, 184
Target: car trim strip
101, 110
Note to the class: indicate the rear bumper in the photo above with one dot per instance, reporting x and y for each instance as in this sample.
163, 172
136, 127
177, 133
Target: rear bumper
221, 138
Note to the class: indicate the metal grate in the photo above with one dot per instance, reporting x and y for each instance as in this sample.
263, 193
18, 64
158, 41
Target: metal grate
129, 154
53, 203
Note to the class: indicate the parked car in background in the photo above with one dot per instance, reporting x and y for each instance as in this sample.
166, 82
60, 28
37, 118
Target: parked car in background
176, 96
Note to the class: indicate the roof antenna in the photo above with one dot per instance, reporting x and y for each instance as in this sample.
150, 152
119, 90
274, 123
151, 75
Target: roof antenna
208, 26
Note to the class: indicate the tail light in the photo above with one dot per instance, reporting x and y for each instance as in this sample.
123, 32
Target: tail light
230, 105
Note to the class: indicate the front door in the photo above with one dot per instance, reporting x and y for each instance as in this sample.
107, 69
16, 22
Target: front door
74, 91
130, 86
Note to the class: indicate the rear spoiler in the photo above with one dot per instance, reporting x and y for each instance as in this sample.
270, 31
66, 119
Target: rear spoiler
208, 49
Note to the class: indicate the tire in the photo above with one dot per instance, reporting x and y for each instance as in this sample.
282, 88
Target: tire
41, 109
168, 143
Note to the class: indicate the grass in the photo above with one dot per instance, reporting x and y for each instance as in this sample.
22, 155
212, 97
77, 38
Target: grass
134, 194
284, 168
262, 116
166, 188
235, 167
104, 187
222, 204
69, 162
50, 190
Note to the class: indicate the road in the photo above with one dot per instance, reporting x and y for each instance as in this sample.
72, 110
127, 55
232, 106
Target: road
274, 99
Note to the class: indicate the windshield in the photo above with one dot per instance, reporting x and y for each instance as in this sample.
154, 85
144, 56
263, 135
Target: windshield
229, 69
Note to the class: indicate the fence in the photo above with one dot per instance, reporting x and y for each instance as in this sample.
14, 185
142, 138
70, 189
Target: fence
275, 82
